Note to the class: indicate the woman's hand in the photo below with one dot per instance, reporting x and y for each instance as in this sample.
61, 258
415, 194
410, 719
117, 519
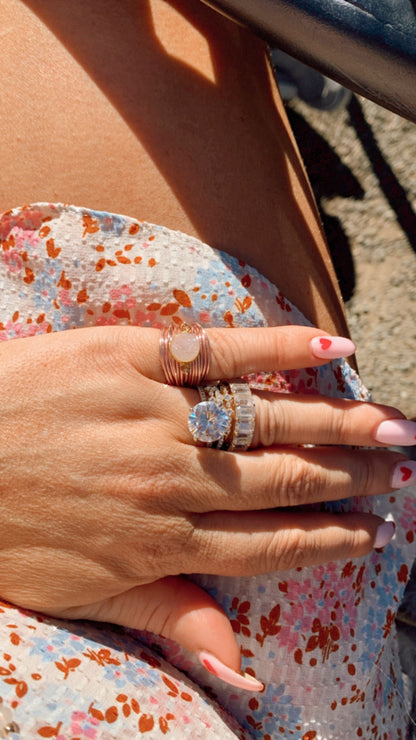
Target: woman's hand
105, 498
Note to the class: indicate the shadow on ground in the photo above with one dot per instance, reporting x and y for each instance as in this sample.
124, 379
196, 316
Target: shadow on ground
330, 178
389, 184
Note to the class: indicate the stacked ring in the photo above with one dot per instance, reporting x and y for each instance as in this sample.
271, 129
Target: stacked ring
245, 415
185, 354
225, 416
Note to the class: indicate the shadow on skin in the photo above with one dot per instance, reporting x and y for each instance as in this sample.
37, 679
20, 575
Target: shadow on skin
183, 120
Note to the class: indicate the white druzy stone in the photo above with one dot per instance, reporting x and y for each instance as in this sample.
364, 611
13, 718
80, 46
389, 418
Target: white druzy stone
184, 347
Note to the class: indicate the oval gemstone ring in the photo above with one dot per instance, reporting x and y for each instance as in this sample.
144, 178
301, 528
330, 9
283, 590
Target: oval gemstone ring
184, 354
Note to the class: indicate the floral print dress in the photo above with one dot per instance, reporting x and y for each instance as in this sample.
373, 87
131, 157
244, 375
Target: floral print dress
322, 638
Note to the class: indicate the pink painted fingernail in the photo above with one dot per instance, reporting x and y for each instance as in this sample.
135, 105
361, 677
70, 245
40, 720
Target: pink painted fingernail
223, 672
396, 432
404, 474
331, 348
384, 534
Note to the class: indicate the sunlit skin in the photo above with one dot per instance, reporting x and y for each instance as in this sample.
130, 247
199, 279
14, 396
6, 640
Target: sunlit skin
167, 112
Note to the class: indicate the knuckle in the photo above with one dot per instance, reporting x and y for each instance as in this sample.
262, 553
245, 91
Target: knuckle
273, 422
352, 542
297, 548
364, 474
160, 490
291, 548
166, 553
339, 425
298, 483
281, 418
343, 420
265, 423
104, 347
282, 346
167, 492
228, 353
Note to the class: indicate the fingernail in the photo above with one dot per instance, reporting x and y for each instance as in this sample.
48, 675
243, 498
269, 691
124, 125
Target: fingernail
396, 432
404, 474
384, 534
223, 672
330, 348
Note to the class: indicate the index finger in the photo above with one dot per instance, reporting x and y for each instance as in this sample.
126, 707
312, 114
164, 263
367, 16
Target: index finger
236, 352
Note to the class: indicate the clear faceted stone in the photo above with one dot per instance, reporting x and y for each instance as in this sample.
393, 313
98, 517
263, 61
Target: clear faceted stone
208, 422
12, 731
184, 347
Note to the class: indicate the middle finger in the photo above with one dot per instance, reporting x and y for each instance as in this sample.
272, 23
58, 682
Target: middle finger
291, 419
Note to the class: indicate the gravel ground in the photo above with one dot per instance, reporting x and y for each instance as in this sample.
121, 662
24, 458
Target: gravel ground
362, 165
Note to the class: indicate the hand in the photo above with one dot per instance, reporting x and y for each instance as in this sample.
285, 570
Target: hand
105, 498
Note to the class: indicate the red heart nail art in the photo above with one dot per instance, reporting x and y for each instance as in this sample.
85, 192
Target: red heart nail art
209, 667
325, 343
406, 473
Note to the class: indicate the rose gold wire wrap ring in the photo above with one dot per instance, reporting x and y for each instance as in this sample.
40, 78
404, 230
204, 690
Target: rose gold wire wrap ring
184, 354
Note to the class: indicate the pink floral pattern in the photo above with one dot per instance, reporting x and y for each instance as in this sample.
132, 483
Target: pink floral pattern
323, 639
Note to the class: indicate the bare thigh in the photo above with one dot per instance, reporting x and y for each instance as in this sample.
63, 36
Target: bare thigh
167, 112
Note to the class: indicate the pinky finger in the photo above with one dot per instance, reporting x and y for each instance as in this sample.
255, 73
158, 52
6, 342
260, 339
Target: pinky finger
254, 542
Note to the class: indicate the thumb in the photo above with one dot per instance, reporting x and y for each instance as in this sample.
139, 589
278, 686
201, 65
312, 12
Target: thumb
181, 611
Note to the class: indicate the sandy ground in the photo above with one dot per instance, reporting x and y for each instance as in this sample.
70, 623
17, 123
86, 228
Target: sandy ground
362, 164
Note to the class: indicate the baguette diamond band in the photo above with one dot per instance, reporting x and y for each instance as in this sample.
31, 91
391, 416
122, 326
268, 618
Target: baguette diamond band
245, 415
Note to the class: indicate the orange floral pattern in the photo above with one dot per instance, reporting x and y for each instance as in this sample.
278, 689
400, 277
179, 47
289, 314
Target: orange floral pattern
322, 639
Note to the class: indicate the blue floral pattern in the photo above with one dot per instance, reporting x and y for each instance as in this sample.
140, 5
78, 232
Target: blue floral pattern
323, 638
